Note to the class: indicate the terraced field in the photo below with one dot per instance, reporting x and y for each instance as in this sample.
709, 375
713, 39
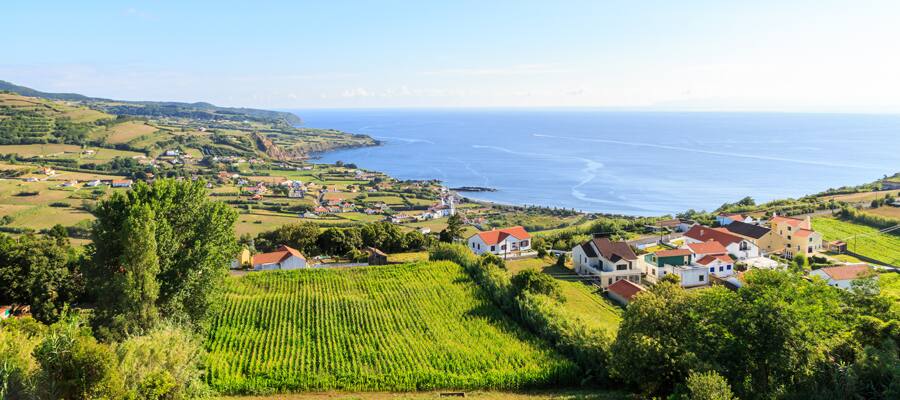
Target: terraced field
421, 326
865, 240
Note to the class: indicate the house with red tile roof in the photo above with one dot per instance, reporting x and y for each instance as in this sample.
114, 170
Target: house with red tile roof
624, 291
842, 276
725, 219
606, 261
282, 258
795, 236
502, 242
735, 245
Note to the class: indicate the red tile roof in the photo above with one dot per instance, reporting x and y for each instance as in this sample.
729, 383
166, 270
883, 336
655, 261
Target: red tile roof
614, 251
673, 253
626, 289
845, 272
705, 234
498, 235
277, 256
795, 222
803, 232
706, 260
711, 247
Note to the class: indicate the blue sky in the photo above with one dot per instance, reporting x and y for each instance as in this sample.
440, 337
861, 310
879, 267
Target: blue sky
696, 55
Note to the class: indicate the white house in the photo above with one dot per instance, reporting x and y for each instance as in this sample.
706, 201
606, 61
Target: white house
712, 256
734, 245
607, 261
843, 275
500, 241
725, 219
283, 258
93, 183
121, 183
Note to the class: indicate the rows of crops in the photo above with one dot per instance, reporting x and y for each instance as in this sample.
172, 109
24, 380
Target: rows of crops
864, 240
406, 327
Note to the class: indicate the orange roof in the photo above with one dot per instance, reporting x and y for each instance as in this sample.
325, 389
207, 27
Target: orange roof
673, 253
803, 232
706, 260
795, 222
277, 256
705, 234
711, 247
845, 272
121, 181
498, 235
626, 289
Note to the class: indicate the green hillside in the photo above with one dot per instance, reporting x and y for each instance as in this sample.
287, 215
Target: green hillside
419, 326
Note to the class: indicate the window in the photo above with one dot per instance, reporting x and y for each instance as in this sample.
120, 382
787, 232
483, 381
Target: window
610, 281
524, 243
621, 267
728, 267
701, 278
503, 247
493, 248
789, 237
721, 268
712, 269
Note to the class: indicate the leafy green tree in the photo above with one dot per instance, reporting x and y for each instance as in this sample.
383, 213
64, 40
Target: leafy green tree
335, 241
415, 240
536, 282
194, 242
302, 236
40, 272
454, 229
708, 386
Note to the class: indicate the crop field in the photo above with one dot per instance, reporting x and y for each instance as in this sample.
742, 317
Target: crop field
421, 326
126, 131
862, 196
67, 151
865, 240
885, 211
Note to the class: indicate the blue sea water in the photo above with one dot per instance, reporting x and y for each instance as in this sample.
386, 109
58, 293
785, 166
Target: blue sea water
637, 163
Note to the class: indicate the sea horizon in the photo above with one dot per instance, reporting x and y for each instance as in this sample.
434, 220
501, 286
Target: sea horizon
620, 162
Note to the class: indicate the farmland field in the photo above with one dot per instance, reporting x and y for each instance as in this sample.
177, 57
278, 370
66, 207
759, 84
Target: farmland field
885, 211
867, 241
422, 326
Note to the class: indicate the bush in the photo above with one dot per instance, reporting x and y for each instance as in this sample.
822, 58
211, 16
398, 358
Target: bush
536, 282
164, 364
708, 386
59, 204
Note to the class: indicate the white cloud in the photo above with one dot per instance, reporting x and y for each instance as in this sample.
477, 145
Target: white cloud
521, 69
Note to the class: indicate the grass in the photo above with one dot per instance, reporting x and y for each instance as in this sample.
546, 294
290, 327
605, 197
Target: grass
422, 326
885, 211
66, 151
862, 196
408, 257
560, 394
890, 286
581, 300
127, 131
865, 240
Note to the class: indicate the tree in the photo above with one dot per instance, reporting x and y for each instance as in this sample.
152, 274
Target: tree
127, 303
415, 240
536, 282
302, 236
334, 241
454, 229
708, 386
194, 243
38, 271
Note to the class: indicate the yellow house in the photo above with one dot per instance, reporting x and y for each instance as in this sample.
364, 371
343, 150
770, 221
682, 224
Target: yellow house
795, 236
242, 260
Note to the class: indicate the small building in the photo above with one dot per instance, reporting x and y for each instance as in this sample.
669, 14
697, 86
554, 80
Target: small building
242, 260
726, 219
795, 236
842, 276
93, 183
623, 291
376, 257
500, 241
761, 236
121, 183
838, 246
5, 312
283, 258
735, 245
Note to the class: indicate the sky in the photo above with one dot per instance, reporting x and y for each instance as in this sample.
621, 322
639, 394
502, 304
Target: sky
818, 56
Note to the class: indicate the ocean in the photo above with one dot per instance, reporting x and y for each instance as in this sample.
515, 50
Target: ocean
635, 163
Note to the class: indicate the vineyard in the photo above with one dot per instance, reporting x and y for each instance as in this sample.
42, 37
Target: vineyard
419, 326
863, 239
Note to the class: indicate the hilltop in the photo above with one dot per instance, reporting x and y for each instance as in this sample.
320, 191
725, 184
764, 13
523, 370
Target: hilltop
199, 110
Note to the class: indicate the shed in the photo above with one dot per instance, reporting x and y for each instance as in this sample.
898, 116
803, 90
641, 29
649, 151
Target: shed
376, 257
623, 291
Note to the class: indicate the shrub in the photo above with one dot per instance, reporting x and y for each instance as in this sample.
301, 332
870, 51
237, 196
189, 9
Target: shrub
708, 386
59, 204
164, 364
534, 281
